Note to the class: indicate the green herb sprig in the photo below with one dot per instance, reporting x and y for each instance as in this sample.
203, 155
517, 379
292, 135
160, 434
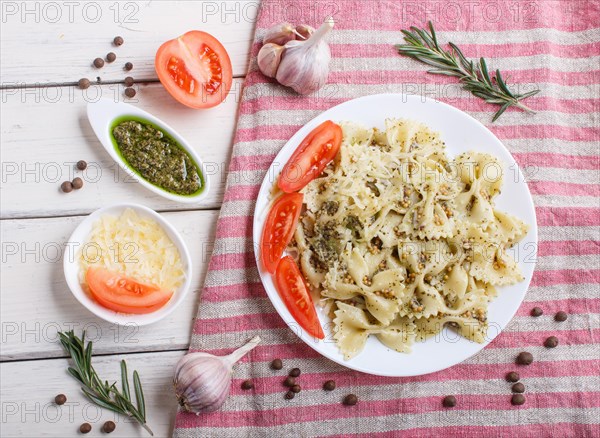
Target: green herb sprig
101, 392
423, 46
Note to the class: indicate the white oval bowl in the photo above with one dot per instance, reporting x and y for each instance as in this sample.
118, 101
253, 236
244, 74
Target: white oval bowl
103, 113
71, 266
461, 133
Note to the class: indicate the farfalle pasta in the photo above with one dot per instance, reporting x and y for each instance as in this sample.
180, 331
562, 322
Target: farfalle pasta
400, 240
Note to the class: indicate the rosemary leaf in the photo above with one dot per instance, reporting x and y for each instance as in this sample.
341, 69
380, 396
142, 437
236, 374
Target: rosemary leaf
475, 77
101, 392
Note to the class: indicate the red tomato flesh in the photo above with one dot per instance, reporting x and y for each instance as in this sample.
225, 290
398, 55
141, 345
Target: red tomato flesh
279, 228
295, 294
195, 69
124, 294
315, 152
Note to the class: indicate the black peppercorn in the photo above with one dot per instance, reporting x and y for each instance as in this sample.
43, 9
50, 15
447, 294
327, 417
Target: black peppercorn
98, 62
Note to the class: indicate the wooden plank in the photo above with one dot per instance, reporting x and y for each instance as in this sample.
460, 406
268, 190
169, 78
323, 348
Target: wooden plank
56, 42
29, 388
45, 131
36, 302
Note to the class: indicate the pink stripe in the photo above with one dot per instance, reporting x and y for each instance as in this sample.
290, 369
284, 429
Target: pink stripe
283, 132
242, 192
564, 189
486, 15
517, 431
234, 226
476, 50
366, 409
566, 276
568, 247
218, 294
546, 159
571, 306
441, 88
567, 216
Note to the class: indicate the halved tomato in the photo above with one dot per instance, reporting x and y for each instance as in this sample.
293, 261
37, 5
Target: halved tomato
124, 294
310, 158
279, 228
295, 294
195, 69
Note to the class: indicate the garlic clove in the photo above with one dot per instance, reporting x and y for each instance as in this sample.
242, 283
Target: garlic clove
304, 65
280, 34
269, 58
304, 31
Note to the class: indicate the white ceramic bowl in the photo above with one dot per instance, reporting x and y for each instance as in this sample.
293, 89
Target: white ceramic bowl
81, 236
103, 113
461, 133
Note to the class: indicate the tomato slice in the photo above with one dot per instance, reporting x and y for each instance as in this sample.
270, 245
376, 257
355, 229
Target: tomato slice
195, 69
310, 158
124, 294
295, 294
279, 228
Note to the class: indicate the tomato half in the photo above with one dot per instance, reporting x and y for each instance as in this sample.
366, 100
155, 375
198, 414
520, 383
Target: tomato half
295, 294
195, 69
279, 228
310, 158
124, 294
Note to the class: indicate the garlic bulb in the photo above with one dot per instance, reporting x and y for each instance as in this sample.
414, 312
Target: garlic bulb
280, 34
202, 381
269, 58
304, 65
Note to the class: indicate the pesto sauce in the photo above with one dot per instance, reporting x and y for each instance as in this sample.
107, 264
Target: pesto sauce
157, 157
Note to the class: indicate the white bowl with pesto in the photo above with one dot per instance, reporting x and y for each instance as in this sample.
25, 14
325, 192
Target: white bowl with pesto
105, 114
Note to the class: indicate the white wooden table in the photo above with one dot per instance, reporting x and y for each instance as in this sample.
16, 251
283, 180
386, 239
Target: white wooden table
46, 47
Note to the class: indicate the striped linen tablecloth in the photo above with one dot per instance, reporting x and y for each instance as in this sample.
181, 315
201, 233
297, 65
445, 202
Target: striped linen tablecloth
552, 45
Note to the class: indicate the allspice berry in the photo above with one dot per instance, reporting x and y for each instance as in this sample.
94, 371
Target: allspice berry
81, 165
247, 384
60, 399
512, 377
85, 428
77, 183
517, 399
118, 41
524, 358
519, 388
129, 81
84, 83
350, 400
561, 316
109, 427
98, 62
551, 342
128, 66
449, 401
66, 187
111, 56
329, 385
130, 92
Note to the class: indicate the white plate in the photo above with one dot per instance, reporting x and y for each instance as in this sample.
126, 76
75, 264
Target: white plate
81, 236
102, 115
461, 133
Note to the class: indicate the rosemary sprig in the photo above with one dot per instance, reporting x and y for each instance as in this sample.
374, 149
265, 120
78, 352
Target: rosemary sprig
102, 393
423, 46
